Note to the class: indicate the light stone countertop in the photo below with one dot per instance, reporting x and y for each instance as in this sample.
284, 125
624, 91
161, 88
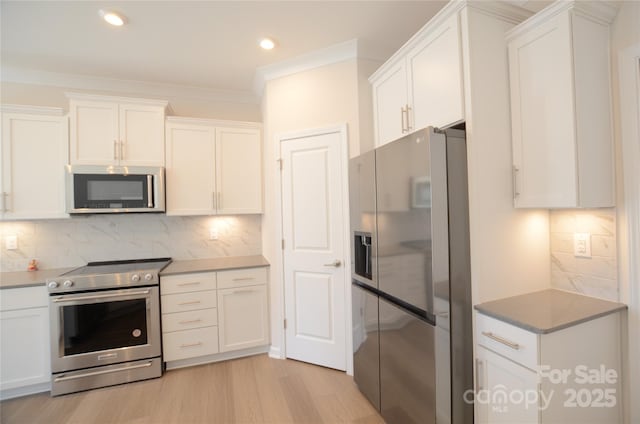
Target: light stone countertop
549, 310
18, 279
214, 264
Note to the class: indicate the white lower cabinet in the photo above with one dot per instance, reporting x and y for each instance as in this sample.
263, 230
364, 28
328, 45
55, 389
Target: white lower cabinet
24, 342
570, 376
243, 317
215, 312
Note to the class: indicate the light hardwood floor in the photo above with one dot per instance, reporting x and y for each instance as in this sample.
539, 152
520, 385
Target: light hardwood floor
256, 389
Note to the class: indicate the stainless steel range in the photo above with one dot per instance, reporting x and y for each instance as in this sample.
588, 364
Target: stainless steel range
105, 324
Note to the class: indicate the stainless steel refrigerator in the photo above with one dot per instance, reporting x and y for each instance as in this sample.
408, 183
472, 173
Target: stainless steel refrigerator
412, 334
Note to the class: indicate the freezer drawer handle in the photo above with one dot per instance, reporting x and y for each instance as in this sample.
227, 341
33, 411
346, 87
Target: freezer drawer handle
336, 263
90, 374
512, 345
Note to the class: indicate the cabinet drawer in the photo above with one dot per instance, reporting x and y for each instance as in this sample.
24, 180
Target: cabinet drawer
189, 320
188, 282
242, 277
188, 301
190, 343
24, 297
519, 345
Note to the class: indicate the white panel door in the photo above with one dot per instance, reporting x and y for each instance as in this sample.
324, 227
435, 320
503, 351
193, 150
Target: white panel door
435, 78
94, 138
141, 135
238, 170
314, 253
389, 100
34, 153
190, 171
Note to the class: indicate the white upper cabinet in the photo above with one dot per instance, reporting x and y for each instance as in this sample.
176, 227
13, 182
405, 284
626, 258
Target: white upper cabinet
390, 103
435, 78
116, 131
213, 167
34, 154
421, 85
238, 170
561, 107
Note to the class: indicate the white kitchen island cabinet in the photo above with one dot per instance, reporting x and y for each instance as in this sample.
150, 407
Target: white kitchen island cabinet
559, 65
213, 167
421, 85
24, 341
32, 159
548, 357
214, 315
117, 131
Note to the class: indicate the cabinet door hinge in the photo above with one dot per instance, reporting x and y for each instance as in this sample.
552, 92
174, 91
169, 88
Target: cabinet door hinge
282, 244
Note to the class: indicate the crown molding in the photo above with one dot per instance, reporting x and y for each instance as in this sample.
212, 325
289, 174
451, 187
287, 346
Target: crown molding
141, 88
318, 58
32, 110
212, 122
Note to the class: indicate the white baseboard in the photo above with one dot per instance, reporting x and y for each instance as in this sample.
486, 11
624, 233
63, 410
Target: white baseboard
200, 360
25, 391
275, 353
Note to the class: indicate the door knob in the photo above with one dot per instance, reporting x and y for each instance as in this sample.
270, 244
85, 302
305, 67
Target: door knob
335, 263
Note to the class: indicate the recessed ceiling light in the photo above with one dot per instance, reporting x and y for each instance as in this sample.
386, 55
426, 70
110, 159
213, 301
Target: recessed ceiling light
267, 43
112, 18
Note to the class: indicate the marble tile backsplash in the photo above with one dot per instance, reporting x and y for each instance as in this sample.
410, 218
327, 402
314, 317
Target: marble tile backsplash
596, 276
78, 240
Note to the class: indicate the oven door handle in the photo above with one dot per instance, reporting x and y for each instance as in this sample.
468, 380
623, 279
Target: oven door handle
99, 296
89, 374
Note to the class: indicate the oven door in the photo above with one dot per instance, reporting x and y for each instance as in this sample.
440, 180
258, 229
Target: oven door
105, 327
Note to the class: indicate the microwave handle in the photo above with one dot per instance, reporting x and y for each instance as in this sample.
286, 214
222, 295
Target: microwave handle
150, 191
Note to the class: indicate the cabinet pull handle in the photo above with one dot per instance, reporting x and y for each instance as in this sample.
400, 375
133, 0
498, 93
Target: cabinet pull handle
121, 150
515, 171
191, 344
242, 291
115, 150
479, 374
219, 202
409, 127
509, 343
244, 279
194, 283
191, 321
215, 204
193, 302
402, 112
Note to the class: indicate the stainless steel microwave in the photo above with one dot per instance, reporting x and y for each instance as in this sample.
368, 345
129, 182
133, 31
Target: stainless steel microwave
114, 189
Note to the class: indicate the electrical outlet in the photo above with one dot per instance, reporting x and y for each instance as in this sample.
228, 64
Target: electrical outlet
11, 242
213, 234
582, 245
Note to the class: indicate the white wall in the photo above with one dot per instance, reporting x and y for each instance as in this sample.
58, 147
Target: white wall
182, 102
625, 36
315, 98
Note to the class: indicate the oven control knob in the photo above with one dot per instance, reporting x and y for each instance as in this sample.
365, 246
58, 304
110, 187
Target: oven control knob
67, 283
53, 284
148, 277
135, 278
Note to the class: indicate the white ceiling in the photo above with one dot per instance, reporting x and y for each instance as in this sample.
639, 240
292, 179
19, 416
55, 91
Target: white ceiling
207, 44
